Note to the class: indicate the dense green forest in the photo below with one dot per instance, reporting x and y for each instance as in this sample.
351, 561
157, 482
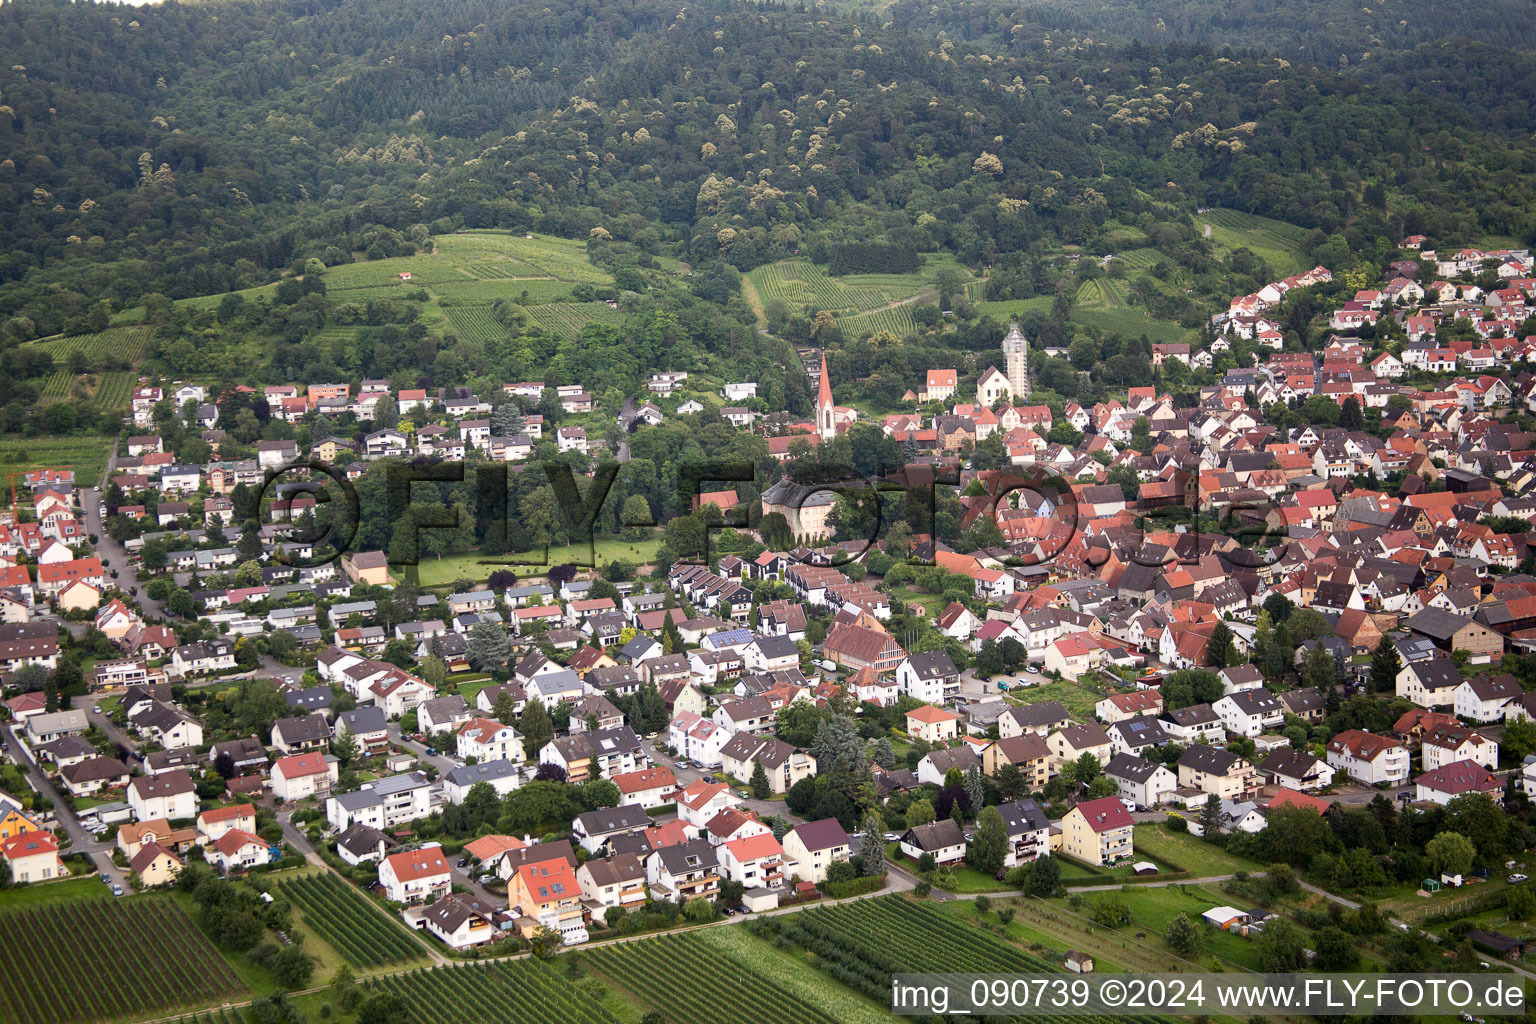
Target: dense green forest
189, 150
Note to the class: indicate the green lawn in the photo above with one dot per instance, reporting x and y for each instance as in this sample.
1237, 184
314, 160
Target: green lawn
436, 572
1194, 855
89, 887
1152, 908
1076, 698
87, 456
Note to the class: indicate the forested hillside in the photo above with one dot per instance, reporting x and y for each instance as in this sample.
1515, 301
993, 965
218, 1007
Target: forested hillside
190, 150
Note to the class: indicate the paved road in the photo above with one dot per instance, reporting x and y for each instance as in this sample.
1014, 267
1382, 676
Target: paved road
80, 840
113, 556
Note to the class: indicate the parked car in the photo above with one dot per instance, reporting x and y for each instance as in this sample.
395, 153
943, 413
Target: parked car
117, 890
106, 878
891, 837
1516, 879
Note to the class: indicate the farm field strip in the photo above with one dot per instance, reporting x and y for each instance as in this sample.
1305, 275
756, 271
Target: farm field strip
568, 318
476, 323
650, 969
167, 964
506, 992
897, 319
361, 932
125, 343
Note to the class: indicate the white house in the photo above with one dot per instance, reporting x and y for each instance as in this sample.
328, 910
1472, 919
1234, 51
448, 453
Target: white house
1144, 783
1250, 712
812, 847
382, 804
1368, 758
485, 739
697, 738
171, 795
1483, 700
416, 875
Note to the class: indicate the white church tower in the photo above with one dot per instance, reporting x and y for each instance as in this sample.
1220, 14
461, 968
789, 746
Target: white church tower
1016, 352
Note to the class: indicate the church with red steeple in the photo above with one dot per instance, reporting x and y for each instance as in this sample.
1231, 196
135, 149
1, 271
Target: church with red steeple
826, 419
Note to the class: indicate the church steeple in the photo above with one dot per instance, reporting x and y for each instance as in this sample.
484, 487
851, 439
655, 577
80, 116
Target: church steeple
825, 426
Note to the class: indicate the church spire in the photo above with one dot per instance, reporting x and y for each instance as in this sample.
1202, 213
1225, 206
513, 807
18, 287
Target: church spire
824, 418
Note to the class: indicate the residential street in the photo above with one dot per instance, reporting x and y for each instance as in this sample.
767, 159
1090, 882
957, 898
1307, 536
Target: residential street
80, 840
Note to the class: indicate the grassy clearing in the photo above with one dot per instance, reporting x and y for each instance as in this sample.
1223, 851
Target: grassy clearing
1194, 855
1131, 322
87, 456
1001, 311
1075, 697
435, 572
1275, 242
75, 889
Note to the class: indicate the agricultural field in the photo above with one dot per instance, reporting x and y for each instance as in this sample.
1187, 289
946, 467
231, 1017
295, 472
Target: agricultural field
896, 319
505, 992
144, 956
362, 933
735, 992
87, 456
566, 319
475, 323
1273, 241
223, 1015
109, 391
1004, 309
113, 344
862, 944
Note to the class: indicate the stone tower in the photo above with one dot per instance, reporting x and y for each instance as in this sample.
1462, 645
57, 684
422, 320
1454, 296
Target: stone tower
1016, 352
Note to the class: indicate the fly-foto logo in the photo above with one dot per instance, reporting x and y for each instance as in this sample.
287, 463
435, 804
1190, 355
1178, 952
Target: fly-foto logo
868, 505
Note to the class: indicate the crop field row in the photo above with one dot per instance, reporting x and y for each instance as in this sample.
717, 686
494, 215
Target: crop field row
663, 973
505, 270
475, 293
896, 319
568, 318
1275, 242
141, 955
126, 343
104, 392
223, 1015
561, 258
506, 992
1139, 259
800, 283
476, 323
362, 933
1101, 293
863, 944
